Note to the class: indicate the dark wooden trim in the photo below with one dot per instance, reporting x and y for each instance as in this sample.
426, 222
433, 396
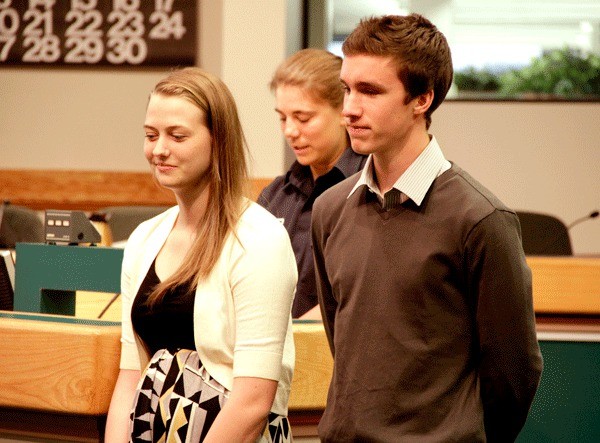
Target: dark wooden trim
83, 428
304, 418
52, 426
87, 190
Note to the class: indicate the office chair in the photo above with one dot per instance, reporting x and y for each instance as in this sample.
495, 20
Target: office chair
122, 220
7, 281
544, 234
20, 224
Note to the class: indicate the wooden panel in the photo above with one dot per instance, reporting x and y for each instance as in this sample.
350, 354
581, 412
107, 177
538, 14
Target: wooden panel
84, 190
566, 285
72, 368
21, 425
314, 367
257, 185
88, 190
61, 367
89, 305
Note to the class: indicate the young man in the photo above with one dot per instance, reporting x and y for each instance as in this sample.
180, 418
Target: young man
421, 276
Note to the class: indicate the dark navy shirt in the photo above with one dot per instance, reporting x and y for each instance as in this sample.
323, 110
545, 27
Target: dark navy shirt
290, 197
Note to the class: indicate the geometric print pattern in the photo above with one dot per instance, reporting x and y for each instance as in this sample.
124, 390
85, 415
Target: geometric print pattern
278, 430
177, 401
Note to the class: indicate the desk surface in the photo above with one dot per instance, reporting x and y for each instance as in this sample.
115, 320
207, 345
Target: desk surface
567, 285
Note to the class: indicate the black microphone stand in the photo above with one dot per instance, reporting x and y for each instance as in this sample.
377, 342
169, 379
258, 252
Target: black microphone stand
591, 215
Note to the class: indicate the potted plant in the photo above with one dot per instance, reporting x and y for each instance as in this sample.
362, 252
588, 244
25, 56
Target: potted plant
476, 82
566, 73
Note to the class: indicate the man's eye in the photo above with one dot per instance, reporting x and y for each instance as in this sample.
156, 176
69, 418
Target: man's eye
370, 91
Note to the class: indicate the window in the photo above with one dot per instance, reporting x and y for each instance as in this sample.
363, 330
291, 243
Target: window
501, 49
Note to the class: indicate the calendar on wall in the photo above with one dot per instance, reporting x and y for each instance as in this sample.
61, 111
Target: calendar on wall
98, 32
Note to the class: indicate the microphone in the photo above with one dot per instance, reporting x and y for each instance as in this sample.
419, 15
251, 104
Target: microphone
590, 216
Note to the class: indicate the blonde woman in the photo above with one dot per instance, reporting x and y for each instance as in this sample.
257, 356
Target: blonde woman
207, 286
309, 98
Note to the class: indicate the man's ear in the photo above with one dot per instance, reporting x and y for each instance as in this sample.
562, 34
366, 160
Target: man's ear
423, 102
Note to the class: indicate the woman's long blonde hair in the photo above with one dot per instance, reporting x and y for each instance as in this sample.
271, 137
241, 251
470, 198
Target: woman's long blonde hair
228, 176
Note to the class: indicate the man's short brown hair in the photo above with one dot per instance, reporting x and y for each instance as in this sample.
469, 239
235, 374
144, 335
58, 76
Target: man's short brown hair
419, 49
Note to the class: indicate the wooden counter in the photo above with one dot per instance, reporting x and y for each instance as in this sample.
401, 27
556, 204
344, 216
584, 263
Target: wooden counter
314, 366
566, 285
51, 365
72, 367
58, 374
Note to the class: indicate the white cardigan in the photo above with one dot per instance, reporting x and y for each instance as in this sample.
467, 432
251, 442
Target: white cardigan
242, 320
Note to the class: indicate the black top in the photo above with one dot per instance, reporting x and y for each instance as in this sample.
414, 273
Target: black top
291, 197
170, 323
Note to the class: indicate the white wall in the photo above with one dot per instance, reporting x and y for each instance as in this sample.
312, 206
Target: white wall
534, 156
254, 43
73, 119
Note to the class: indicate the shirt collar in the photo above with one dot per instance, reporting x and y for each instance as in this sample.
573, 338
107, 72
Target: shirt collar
299, 175
349, 162
416, 180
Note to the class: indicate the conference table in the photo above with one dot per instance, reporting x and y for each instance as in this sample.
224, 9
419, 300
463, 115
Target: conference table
58, 371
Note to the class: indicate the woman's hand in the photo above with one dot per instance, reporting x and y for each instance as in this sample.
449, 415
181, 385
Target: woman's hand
245, 413
117, 422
